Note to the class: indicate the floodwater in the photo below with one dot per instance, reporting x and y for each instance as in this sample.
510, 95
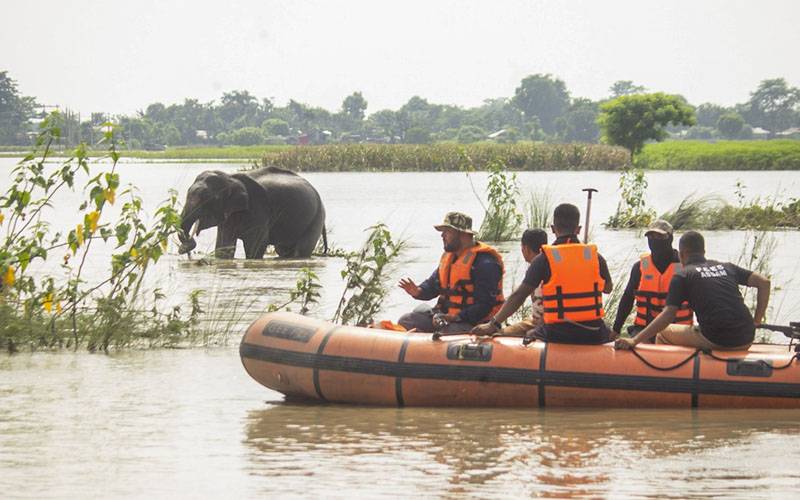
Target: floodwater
191, 423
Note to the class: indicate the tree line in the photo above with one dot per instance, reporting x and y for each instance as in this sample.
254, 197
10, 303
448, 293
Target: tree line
541, 109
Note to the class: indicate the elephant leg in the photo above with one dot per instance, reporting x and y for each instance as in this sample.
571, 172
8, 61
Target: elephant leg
305, 246
226, 243
285, 251
255, 243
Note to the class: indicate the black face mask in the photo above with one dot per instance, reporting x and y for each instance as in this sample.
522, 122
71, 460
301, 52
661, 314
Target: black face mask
661, 250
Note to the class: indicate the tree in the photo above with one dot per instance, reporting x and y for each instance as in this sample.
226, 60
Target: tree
544, 97
275, 126
470, 133
773, 106
354, 106
417, 135
579, 124
15, 111
631, 120
708, 114
730, 125
625, 87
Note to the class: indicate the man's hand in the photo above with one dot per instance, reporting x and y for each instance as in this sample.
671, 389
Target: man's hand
441, 320
484, 329
624, 344
410, 287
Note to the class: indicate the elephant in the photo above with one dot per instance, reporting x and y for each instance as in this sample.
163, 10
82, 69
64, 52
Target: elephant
267, 206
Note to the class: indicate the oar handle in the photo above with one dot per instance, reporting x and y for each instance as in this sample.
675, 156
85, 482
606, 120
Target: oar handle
792, 331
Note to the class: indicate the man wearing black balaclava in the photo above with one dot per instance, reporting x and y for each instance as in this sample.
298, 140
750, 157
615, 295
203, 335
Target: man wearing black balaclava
649, 281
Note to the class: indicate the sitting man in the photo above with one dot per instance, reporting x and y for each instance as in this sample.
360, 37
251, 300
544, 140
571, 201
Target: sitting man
649, 282
573, 278
712, 291
531, 246
468, 282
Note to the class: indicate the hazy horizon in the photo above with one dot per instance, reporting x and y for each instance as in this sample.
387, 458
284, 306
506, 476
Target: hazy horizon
90, 55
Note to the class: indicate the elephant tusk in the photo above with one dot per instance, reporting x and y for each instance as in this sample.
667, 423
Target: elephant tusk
195, 228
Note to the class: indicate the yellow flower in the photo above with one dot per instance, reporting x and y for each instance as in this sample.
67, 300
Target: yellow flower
9, 279
134, 253
2, 217
48, 302
110, 195
92, 218
79, 234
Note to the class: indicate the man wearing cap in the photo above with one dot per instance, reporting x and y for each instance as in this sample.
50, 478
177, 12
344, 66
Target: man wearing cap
649, 282
712, 290
468, 282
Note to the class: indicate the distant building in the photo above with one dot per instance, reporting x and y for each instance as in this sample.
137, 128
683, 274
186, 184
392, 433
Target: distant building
201, 134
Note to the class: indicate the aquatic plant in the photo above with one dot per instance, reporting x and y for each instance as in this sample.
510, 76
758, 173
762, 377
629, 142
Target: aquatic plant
365, 274
43, 310
539, 209
305, 292
632, 209
501, 221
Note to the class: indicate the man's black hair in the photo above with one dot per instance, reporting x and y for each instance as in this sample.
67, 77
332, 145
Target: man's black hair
534, 239
692, 242
566, 218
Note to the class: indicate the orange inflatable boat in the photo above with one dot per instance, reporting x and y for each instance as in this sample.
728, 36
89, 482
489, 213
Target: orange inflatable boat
306, 358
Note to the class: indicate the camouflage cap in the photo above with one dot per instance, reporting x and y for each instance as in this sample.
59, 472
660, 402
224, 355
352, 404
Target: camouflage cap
458, 221
659, 226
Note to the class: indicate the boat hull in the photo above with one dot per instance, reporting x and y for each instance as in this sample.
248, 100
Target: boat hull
306, 358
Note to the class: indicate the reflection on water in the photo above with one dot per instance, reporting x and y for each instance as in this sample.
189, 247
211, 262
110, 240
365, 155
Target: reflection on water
191, 423
552, 453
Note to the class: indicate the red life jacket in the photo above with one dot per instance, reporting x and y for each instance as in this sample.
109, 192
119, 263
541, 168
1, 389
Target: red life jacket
455, 280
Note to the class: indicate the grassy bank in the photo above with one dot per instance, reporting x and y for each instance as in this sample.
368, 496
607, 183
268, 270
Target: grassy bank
447, 157
722, 155
187, 154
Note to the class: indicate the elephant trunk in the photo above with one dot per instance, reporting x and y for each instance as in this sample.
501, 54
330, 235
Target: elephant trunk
189, 229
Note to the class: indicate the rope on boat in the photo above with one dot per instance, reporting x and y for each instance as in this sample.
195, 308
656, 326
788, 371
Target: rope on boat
712, 356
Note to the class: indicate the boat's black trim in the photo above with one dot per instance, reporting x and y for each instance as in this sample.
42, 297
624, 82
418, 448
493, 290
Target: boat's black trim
314, 365
516, 375
398, 382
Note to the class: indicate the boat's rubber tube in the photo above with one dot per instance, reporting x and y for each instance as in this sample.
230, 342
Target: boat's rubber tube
308, 358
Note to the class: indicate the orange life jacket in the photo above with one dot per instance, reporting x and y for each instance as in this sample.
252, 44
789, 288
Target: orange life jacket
455, 280
651, 296
574, 292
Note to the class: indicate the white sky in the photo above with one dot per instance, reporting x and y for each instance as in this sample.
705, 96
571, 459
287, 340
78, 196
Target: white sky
118, 57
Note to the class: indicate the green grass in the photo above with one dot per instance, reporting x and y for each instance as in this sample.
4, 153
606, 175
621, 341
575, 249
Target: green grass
721, 155
447, 157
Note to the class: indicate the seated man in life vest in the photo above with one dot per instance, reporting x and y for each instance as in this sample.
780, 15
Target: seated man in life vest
468, 282
573, 277
649, 282
712, 290
531, 246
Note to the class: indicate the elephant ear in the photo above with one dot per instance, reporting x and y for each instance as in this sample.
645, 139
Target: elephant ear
236, 198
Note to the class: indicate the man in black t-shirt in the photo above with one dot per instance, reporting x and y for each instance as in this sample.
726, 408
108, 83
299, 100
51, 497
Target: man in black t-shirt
712, 290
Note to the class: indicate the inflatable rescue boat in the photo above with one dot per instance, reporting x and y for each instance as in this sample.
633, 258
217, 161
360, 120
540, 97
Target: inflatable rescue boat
306, 358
